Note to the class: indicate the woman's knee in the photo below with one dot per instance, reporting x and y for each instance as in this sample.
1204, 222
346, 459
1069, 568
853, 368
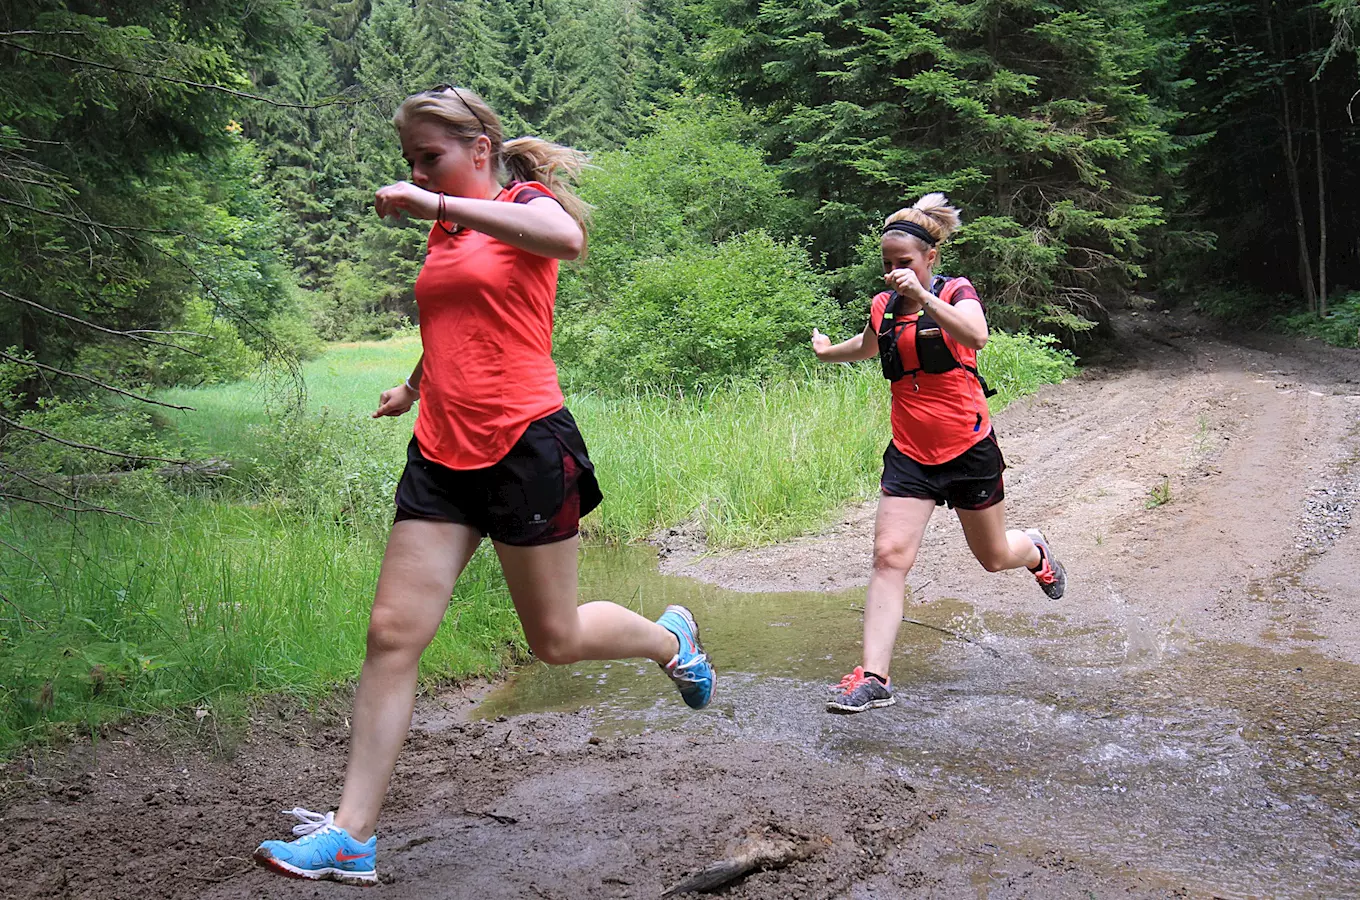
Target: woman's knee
890, 557
996, 559
392, 630
556, 645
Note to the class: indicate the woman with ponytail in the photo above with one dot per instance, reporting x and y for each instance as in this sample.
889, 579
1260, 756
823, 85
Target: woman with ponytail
927, 330
495, 453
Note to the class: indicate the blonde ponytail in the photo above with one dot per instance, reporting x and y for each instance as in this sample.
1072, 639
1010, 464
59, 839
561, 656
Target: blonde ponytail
552, 165
933, 213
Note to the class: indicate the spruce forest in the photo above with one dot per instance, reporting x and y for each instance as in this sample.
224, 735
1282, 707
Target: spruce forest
210, 168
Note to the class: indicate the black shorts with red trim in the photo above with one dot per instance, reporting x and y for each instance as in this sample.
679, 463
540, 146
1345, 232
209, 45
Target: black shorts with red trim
971, 480
536, 494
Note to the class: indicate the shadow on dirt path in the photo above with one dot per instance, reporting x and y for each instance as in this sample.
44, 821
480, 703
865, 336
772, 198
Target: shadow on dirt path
1184, 724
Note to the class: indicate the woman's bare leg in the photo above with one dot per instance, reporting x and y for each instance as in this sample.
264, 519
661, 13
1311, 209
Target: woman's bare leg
898, 529
542, 582
423, 561
995, 547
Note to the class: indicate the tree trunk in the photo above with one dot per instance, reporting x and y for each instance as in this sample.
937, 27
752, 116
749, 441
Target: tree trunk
1321, 187
1291, 169
1296, 194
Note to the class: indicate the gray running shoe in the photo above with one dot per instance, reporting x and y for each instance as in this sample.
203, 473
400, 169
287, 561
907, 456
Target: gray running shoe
858, 692
1050, 574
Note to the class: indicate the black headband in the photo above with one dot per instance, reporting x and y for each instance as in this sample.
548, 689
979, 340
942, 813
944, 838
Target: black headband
441, 88
912, 229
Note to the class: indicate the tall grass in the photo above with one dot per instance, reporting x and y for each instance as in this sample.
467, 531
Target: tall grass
749, 464
215, 602
760, 464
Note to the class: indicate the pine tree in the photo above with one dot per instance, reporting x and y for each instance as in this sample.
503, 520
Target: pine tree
1029, 115
1272, 143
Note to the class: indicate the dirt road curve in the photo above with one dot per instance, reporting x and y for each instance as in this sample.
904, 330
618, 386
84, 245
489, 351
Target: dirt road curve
1254, 448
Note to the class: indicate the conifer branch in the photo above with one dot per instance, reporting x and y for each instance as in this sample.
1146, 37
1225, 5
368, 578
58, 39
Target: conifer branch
244, 95
95, 381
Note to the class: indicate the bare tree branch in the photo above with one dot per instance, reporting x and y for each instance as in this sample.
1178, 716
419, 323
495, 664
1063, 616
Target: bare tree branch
24, 476
93, 225
79, 446
130, 335
181, 81
75, 509
108, 387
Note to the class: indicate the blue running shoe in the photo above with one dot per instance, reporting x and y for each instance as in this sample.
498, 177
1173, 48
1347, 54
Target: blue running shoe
323, 850
690, 668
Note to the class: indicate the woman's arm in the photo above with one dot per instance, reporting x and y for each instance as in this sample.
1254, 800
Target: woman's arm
399, 399
963, 321
862, 346
540, 226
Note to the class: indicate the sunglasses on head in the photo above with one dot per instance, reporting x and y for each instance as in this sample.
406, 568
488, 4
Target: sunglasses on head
441, 88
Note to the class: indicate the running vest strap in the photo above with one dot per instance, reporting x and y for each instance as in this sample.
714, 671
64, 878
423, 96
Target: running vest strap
933, 355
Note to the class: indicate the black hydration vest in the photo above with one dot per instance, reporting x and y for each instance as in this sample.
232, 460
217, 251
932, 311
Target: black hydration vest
932, 353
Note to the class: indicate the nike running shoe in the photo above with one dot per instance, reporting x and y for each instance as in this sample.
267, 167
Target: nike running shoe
1050, 573
690, 668
858, 692
323, 850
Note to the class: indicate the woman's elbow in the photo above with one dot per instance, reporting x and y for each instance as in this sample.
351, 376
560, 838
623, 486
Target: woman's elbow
978, 341
573, 245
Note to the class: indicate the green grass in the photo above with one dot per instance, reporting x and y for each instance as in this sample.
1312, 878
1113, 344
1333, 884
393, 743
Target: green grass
261, 583
345, 382
1340, 328
215, 602
751, 464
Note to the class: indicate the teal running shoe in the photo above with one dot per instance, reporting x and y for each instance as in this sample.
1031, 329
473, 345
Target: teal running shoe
690, 668
323, 850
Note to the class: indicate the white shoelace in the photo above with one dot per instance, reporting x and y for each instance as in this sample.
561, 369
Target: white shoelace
312, 823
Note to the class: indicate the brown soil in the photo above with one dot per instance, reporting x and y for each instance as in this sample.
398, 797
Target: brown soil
526, 807
1256, 445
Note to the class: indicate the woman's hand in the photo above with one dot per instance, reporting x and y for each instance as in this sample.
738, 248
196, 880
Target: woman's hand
404, 197
820, 344
862, 346
396, 401
908, 286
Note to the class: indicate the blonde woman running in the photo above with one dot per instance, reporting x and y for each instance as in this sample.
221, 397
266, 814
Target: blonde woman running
495, 453
927, 330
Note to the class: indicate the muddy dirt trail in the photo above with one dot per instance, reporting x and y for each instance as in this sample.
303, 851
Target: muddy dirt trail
1185, 723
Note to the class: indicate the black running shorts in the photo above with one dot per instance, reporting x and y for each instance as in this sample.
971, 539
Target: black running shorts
536, 494
971, 480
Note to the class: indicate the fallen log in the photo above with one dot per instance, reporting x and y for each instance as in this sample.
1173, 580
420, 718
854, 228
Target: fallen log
189, 471
761, 852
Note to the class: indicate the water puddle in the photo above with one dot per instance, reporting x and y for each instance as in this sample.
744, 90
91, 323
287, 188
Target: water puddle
1220, 767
